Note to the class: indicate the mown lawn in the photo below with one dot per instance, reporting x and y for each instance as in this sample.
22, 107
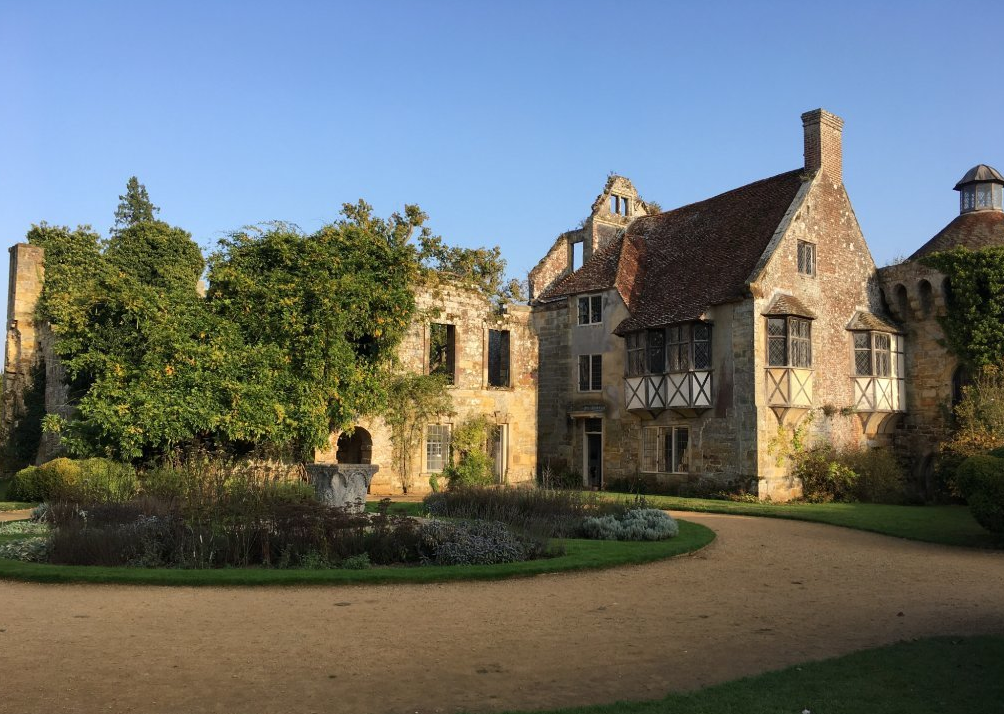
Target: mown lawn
948, 525
932, 676
579, 555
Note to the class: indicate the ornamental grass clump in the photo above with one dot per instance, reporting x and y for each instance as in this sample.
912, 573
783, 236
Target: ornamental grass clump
476, 543
635, 524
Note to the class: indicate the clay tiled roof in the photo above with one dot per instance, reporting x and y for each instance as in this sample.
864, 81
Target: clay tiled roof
600, 272
864, 320
702, 254
788, 305
974, 230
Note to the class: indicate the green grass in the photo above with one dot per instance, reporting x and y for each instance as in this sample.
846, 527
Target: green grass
939, 675
402, 508
947, 525
579, 555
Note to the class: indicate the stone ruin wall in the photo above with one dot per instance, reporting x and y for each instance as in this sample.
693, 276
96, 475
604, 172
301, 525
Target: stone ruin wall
515, 406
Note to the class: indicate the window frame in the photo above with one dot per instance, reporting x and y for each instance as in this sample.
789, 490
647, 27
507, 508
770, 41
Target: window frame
593, 311
678, 349
590, 366
806, 258
504, 357
789, 339
875, 353
654, 443
444, 441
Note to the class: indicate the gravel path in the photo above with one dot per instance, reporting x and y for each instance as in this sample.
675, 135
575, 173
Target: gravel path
766, 594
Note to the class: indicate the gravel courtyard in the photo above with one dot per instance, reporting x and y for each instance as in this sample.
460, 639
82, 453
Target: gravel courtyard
766, 594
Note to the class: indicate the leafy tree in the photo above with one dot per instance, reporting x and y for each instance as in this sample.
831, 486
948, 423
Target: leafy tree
134, 206
320, 315
974, 325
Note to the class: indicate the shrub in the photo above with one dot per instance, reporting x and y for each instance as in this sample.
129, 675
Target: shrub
31, 550
476, 543
23, 528
880, 478
635, 524
981, 480
472, 465
823, 477
84, 480
562, 478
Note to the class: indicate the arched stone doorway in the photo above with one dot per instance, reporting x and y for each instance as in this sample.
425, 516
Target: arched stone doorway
354, 448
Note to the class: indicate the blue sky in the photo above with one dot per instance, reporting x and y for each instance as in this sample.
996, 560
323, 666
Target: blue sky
500, 120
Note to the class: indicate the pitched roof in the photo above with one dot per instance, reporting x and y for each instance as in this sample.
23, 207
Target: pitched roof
973, 230
597, 273
788, 305
702, 254
864, 320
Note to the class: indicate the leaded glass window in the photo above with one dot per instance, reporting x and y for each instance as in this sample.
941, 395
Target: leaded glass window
590, 373
678, 348
636, 354
806, 258
872, 354
591, 310
789, 342
702, 346
656, 351
777, 342
665, 449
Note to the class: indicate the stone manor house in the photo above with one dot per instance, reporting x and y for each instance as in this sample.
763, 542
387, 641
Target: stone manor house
673, 346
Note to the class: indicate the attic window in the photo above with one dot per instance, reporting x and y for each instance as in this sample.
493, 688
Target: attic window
806, 258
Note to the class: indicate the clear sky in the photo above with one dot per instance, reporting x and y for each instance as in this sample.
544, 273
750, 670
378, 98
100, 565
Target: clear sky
501, 120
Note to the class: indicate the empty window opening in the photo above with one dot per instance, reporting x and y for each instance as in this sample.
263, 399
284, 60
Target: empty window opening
665, 449
442, 350
591, 310
578, 249
437, 447
498, 358
620, 205
806, 258
590, 373
926, 298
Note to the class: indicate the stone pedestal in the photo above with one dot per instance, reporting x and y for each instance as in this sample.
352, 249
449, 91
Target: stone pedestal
342, 485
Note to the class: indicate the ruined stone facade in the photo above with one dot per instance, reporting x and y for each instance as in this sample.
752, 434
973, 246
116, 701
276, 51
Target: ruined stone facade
508, 400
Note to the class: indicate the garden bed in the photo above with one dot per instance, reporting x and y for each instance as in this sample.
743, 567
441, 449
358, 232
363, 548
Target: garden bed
579, 555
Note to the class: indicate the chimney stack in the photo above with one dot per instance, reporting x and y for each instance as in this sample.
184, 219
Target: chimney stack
822, 143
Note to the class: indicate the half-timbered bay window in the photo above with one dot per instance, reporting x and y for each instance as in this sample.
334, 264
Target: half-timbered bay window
878, 370
669, 368
665, 449
789, 342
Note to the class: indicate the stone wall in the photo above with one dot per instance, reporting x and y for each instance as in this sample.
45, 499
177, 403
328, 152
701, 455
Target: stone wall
22, 351
915, 294
513, 407
844, 282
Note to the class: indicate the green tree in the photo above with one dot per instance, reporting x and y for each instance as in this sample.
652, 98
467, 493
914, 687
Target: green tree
134, 206
320, 315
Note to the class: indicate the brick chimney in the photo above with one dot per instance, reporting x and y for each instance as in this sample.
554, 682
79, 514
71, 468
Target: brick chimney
822, 143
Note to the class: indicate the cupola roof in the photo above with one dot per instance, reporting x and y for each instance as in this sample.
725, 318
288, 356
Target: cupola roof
981, 173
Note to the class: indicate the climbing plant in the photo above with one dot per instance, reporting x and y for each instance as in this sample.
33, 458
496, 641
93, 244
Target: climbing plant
974, 323
414, 401
470, 462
